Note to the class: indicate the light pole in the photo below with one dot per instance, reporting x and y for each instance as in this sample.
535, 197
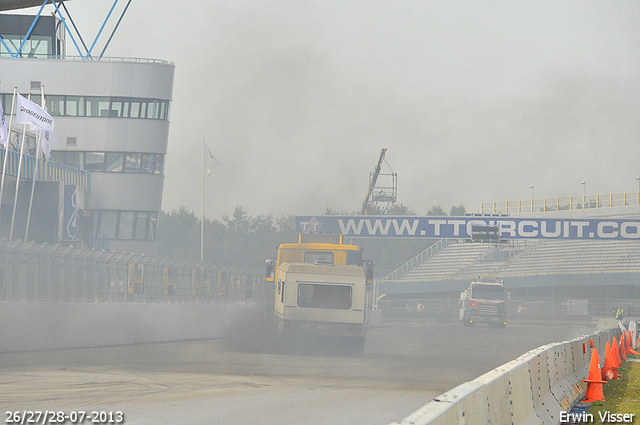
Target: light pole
584, 197
532, 196
638, 178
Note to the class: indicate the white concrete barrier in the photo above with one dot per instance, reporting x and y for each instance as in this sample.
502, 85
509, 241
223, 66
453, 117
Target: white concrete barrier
531, 390
34, 325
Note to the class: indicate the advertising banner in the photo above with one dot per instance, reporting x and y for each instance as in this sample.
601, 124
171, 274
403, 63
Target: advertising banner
445, 227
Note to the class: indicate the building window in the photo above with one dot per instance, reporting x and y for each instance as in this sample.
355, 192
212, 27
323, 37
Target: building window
96, 226
7, 104
157, 169
125, 225
55, 105
152, 109
110, 162
121, 106
37, 46
35, 98
70, 158
107, 225
132, 162
99, 106
141, 224
75, 106
153, 225
94, 161
135, 109
114, 162
163, 110
147, 163
10, 40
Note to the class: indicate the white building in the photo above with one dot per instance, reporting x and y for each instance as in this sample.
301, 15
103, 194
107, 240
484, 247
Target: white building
111, 119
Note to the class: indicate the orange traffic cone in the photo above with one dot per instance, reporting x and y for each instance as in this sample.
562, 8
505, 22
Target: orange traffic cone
623, 348
630, 349
609, 371
615, 350
594, 386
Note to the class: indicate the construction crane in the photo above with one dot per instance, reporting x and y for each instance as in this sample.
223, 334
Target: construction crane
380, 193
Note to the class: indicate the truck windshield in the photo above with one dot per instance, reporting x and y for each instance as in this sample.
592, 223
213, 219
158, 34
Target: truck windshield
321, 257
487, 292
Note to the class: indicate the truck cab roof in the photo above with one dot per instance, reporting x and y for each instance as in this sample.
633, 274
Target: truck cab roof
325, 269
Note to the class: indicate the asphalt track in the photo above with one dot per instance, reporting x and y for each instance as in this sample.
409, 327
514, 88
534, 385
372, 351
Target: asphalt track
234, 380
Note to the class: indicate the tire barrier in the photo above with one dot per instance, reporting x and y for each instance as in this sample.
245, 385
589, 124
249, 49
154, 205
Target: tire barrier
532, 389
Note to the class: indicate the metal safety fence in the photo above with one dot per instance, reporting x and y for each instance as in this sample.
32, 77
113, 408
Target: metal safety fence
564, 203
41, 272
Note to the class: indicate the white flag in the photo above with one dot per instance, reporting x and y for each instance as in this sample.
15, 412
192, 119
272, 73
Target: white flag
30, 113
212, 162
3, 128
47, 139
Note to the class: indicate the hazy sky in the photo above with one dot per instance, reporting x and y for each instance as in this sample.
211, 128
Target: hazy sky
475, 101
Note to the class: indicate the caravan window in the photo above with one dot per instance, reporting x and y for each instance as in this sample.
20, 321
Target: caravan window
324, 295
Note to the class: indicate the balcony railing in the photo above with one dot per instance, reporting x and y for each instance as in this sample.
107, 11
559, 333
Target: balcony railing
47, 170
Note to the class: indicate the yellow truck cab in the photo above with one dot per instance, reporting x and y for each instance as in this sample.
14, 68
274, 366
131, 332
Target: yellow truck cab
315, 248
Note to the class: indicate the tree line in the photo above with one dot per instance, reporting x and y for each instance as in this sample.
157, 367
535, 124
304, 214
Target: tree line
244, 240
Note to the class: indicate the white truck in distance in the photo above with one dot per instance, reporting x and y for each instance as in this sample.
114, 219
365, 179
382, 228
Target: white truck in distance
484, 301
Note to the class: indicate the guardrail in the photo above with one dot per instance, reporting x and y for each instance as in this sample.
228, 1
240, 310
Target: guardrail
533, 389
41, 272
524, 206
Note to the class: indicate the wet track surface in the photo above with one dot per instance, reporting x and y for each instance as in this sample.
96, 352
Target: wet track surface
223, 381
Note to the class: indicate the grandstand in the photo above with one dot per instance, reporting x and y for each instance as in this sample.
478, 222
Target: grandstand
577, 257
449, 265
462, 260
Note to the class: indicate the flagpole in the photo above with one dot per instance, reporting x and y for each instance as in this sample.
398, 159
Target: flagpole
15, 199
35, 171
6, 146
202, 206
33, 186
